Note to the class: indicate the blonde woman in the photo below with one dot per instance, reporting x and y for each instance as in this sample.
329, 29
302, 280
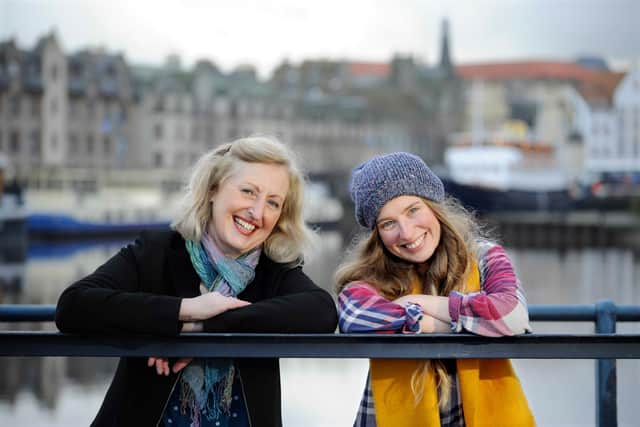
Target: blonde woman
231, 263
423, 268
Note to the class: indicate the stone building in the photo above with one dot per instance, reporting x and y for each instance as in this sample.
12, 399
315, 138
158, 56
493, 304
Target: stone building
59, 111
92, 113
608, 122
33, 104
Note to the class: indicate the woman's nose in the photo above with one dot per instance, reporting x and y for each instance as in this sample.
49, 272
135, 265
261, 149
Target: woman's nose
404, 230
257, 209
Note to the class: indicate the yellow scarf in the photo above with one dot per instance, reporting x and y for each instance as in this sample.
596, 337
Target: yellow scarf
490, 390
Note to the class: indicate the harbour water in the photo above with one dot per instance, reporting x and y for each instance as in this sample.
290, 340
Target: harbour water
48, 392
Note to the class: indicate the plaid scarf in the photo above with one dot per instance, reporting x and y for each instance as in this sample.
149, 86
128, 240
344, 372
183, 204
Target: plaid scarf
206, 384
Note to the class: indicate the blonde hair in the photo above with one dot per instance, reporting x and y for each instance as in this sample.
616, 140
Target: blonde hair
290, 234
447, 268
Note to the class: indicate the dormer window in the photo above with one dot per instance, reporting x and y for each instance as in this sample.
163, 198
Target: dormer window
13, 69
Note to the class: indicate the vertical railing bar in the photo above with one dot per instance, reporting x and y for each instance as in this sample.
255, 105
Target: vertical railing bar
606, 376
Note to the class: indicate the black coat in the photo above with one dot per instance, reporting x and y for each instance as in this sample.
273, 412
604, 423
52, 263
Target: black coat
139, 291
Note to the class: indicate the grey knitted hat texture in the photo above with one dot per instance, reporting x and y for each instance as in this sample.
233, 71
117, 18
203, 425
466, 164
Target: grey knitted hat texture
385, 177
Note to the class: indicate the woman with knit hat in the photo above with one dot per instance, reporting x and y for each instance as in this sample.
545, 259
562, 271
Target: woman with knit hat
425, 268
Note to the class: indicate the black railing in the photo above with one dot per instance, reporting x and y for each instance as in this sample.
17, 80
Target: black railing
605, 345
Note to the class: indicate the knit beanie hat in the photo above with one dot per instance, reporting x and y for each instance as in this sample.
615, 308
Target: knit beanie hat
385, 177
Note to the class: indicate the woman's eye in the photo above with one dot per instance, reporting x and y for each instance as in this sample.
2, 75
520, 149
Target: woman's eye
414, 209
248, 191
274, 204
386, 225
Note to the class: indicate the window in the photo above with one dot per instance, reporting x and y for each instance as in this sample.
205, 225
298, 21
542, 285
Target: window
90, 144
73, 144
72, 108
157, 132
35, 107
13, 69
159, 105
14, 105
157, 160
91, 108
14, 142
34, 142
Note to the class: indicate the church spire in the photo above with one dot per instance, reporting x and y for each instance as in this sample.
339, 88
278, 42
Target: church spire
445, 56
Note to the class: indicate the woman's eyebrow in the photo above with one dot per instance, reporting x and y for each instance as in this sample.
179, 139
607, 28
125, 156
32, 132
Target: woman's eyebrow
259, 189
410, 206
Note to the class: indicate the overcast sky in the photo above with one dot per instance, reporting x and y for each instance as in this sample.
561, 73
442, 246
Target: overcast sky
263, 33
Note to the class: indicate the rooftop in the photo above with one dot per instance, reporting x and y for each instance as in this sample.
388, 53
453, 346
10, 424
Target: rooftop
525, 70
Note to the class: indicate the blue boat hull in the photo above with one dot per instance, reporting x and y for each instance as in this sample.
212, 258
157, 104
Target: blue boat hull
64, 226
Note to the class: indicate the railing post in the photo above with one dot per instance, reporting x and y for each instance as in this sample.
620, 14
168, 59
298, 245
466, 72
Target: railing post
606, 377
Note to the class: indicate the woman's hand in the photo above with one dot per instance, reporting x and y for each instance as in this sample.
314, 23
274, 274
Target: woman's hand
192, 312
162, 364
433, 305
191, 327
207, 305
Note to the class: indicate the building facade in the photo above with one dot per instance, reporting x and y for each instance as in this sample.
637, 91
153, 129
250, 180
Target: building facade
612, 132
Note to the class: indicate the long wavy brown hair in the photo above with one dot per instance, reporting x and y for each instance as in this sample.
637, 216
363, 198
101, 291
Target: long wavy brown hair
370, 261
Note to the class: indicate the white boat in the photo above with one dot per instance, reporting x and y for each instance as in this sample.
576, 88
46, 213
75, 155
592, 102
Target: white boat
491, 177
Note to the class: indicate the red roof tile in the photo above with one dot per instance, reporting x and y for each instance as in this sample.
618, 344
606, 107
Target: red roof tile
378, 69
600, 88
526, 70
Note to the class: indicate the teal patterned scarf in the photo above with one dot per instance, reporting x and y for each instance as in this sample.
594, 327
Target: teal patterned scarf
206, 383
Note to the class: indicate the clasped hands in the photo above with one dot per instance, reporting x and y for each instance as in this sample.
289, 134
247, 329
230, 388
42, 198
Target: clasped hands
192, 312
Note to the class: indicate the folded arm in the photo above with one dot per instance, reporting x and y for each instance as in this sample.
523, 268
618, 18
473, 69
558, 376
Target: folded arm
500, 308
362, 309
110, 300
298, 307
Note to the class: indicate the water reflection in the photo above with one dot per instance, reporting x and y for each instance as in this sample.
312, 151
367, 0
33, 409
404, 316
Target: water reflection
68, 391
578, 276
39, 279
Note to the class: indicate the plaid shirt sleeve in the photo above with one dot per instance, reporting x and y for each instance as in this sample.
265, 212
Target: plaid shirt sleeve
362, 309
500, 308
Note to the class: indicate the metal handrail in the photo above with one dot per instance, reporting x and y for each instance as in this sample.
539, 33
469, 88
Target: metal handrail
537, 313
400, 346
605, 345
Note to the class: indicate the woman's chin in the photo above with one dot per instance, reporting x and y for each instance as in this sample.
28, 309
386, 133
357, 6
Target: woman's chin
415, 257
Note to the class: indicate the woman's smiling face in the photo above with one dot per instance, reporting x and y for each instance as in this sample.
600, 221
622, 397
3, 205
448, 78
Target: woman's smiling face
408, 228
247, 206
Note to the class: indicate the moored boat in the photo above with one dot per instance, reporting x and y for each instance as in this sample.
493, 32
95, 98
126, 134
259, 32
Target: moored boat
489, 178
111, 211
